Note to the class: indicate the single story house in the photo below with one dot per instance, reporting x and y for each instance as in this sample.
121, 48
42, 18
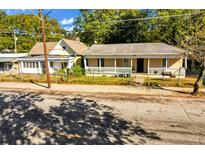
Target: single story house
61, 55
153, 59
9, 63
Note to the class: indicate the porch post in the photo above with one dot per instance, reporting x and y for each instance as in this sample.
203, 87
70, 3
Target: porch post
20, 67
39, 67
148, 65
85, 62
131, 64
166, 63
185, 62
100, 64
115, 66
4, 67
49, 65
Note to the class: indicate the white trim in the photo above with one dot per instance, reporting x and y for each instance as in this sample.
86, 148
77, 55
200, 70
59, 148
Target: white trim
148, 65
13, 55
127, 56
85, 62
166, 63
100, 63
115, 61
185, 62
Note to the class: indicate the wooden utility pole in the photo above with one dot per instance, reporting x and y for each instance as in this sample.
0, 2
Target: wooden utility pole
45, 48
15, 39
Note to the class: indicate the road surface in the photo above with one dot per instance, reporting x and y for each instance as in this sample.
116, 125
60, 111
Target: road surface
33, 118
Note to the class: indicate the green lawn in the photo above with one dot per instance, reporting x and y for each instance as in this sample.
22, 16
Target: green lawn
98, 80
170, 82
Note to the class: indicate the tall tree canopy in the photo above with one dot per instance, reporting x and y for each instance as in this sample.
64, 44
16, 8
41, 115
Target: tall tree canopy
114, 26
28, 32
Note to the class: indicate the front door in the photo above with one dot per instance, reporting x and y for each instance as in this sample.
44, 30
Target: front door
140, 65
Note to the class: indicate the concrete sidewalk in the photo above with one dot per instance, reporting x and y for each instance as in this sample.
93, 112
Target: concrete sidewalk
94, 89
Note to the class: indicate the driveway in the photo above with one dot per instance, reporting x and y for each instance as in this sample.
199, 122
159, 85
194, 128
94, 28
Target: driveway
33, 118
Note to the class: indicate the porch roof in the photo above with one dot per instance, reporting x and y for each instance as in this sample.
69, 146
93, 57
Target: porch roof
133, 49
7, 59
42, 58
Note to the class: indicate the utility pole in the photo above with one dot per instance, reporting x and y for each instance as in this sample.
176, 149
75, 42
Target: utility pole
44, 46
15, 39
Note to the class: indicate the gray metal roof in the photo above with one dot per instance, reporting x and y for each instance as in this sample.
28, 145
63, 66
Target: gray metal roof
42, 58
7, 59
132, 49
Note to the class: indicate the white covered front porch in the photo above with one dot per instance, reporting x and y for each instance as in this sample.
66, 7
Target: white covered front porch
155, 67
34, 65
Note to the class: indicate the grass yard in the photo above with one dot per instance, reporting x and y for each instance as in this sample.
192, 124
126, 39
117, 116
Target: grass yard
97, 80
170, 82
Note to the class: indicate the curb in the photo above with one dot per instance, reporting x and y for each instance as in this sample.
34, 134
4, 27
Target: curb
130, 96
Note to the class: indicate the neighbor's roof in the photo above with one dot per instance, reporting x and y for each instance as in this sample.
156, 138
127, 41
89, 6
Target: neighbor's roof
42, 58
39, 50
13, 55
9, 57
76, 46
132, 49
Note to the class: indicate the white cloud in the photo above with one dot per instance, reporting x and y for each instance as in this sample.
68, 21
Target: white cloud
67, 21
69, 28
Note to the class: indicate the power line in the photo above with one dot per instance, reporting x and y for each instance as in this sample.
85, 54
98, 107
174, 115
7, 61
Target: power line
139, 19
149, 18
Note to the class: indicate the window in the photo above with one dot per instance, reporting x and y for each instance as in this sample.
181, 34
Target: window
101, 61
64, 65
51, 64
1, 65
164, 62
64, 48
37, 65
87, 62
126, 62
30, 64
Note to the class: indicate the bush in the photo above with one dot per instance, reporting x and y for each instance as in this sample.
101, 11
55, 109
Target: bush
170, 82
77, 71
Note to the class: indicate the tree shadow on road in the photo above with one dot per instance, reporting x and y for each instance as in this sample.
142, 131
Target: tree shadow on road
74, 121
171, 90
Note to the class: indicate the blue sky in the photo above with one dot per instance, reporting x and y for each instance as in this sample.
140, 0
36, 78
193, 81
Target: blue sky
65, 17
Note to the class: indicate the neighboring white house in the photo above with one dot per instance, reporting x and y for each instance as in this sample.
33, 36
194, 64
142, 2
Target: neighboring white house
62, 54
8, 62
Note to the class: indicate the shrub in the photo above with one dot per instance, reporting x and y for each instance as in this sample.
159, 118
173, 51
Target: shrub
77, 71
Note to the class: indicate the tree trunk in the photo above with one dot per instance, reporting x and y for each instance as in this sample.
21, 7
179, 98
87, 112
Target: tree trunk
198, 81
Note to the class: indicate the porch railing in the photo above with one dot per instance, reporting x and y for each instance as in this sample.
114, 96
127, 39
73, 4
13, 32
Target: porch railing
108, 70
173, 71
128, 70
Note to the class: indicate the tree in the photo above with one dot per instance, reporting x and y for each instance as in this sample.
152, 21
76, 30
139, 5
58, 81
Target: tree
195, 45
103, 26
29, 31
